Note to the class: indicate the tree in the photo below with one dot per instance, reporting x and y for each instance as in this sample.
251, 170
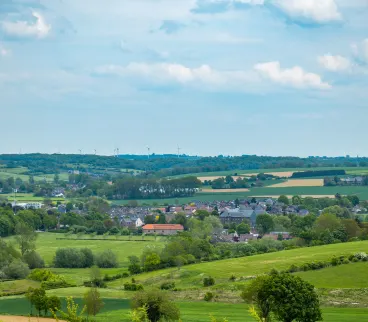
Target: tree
25, 237
107, 259
157, 304
34, 260
243, 228
149, 219
284, 199
292, 299
53, 303
264, 223
38, 299
72, 314
93, 301
134, 267
296, 200
327, 222
161, 219
252, 294
152, 261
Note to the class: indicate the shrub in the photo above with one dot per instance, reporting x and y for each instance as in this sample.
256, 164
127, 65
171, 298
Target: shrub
354, 260
167, 286
361, 256
190, 259
293, 268
54, 284
40, 275
208, 281
33, 260
73, 258
345, 261
107, 259
232, 278
16, 270
95, 283
134, 269
133, 287
208, 296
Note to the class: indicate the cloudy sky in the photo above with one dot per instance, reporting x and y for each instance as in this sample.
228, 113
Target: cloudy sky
267, 77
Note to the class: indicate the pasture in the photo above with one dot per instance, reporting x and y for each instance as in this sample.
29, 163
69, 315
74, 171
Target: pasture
190, 276
200, 311
48, 243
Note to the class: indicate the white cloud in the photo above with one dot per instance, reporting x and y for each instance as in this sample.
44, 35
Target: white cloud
295, 76
320, 11
334, 63
203, 76
360, 50
39, 29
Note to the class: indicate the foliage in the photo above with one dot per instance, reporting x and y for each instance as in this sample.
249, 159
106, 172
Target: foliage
167, 286
106, 259
93, 301
25, 237
73, 258
208, 297
158, 305
16, 270
264, 223
33, 259
208, 281
72, 314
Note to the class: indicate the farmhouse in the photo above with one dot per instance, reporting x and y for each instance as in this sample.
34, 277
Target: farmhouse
162, 229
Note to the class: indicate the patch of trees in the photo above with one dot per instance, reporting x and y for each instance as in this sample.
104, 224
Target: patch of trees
83, 258
285, 296
318, 173
337, 181
229, 183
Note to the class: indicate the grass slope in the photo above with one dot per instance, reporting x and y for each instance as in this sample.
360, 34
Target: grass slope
354, 275
191, 276
118, 310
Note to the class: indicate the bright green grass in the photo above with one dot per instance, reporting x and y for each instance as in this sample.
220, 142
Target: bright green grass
191, 276
47, 244
354, 275
9, 287
118, 310
23, 197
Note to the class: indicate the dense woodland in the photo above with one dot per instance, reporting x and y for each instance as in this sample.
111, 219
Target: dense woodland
167, 165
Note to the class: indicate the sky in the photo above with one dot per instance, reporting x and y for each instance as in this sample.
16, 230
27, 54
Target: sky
230, 77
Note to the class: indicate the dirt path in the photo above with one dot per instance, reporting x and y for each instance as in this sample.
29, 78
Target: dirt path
10, 318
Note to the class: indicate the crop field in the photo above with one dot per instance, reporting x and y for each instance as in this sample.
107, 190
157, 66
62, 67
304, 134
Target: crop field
299, 183
225, 190
215, 177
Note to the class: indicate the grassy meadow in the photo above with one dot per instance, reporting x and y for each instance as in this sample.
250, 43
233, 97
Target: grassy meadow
118, 310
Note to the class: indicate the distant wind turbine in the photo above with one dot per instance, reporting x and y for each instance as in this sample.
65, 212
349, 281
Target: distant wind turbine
148, 151
179, 148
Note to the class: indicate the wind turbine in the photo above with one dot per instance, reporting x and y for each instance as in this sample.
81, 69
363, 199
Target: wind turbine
148, 151
117, 152
95, 151
80, 151
179, 148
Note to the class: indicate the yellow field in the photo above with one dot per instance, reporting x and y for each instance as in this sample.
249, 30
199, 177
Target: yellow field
286, 174
299, 183
224, 190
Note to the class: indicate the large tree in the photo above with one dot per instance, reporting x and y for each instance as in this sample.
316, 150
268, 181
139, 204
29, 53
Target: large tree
93, 301
264, 223
25, 237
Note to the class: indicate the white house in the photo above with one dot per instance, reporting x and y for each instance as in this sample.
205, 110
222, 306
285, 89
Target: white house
139, 223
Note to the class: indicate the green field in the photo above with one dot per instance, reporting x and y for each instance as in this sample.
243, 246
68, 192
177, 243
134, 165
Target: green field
354, 275
47, 244
190, 277
118, 310
25, 197
6, 173
360, 191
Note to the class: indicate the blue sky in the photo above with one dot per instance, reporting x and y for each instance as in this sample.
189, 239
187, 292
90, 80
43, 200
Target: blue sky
266, 77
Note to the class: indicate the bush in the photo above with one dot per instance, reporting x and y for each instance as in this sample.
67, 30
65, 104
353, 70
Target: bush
361, 256
16, 270
54, 284
208, 281
40, 275
133, 287
167, 286
134, 269
292, 269
73, 258
208, 296
33, 260
232, 278
95, 283
190, 259
107, 259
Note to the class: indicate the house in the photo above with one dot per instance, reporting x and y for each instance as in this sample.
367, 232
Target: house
237, 215
162, 229
139, 223
303, 212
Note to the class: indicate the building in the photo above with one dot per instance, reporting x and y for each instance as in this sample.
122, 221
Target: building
162, 229
237, 215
